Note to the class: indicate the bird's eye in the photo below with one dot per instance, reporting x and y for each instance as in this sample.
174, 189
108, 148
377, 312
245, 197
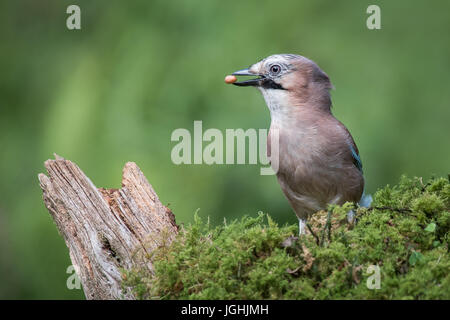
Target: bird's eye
275, 69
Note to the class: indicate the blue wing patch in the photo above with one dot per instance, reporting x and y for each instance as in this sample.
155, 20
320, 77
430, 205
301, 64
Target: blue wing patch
356, 159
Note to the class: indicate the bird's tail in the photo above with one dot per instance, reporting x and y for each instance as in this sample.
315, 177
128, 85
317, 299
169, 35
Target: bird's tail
365, 201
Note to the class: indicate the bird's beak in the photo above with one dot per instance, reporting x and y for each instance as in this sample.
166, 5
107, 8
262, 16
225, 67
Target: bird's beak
251, 82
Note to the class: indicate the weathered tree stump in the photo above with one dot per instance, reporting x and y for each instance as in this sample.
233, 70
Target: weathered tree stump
106, 230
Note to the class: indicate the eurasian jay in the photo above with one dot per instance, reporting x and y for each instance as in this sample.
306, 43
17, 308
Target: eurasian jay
318, 163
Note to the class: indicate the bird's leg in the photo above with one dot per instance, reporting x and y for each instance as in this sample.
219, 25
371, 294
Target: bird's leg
350, 216
301, 226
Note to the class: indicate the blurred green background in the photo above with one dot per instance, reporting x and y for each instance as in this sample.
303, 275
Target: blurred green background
114, 91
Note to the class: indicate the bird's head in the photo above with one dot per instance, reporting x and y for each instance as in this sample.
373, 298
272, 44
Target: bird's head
288, 80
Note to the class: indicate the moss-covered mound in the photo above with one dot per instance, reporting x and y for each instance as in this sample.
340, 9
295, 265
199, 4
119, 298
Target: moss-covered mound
404, 236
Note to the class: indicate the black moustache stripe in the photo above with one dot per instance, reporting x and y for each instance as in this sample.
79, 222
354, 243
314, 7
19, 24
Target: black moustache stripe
270, 84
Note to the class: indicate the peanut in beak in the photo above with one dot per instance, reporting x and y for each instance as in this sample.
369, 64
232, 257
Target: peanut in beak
230, 79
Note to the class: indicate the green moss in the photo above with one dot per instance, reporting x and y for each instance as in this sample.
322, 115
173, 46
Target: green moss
405, 233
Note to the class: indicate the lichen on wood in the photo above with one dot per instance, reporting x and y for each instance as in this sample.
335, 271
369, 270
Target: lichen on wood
104, 228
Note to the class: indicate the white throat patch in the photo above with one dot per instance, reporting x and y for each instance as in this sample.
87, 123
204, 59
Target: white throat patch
277, 102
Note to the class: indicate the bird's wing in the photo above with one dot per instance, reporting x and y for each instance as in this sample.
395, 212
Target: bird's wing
353, 149
356, 158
